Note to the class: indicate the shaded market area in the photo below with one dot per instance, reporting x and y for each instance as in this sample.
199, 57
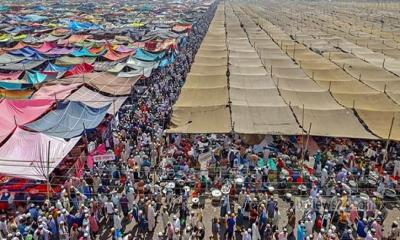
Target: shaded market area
199, 120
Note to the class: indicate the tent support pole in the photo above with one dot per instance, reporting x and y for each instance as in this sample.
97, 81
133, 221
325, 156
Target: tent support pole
114, 107
48, 171
306, 147
386, 157
302, 133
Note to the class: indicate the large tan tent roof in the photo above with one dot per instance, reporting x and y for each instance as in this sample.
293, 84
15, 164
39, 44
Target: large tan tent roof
274, 81
203, 104
333, 123
201, 120
264, 120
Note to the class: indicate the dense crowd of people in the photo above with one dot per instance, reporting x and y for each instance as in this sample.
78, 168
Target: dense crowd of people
160, 179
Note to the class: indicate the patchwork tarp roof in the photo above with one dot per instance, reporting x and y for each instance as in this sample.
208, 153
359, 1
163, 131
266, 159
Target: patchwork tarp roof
52, 51
69, 119
38, 150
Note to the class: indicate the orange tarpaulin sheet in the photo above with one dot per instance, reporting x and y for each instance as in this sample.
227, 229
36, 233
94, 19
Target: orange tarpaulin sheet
77, 38
115, 56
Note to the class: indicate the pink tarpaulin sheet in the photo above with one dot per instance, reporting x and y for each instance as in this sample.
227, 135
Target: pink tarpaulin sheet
58, 91
125, 49
20, 112
40, 152
46, 46
100, 150
60, 51
10, 75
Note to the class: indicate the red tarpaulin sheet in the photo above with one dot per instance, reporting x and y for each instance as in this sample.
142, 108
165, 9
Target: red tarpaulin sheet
151, 45
79, 69
10, 75
20, 112
96, 50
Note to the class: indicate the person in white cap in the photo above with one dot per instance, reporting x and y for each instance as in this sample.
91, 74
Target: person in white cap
164, 216
117, 220
283, 234
187, 233
109, 207
160, 236
246, 235
63, 231
396, 171
255, 231
176, 222
151, 217
370, 235
176, 234
3, 226
394, 233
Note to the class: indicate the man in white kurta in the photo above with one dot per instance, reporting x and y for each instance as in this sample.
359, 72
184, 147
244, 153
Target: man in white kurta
117, 220
151, 215
255, 232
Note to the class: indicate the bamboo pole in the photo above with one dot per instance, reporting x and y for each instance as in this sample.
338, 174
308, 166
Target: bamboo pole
302, 133
48, 171
306, 147
386, 157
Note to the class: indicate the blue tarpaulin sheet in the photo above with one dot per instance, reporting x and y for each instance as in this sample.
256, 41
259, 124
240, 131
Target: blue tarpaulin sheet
19, 29
14, 85
80, 26
84, 52
55, 68
35, 77
69, 120
28, 53
34, 18
148, 56
32, 78
166, 61
4, 8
